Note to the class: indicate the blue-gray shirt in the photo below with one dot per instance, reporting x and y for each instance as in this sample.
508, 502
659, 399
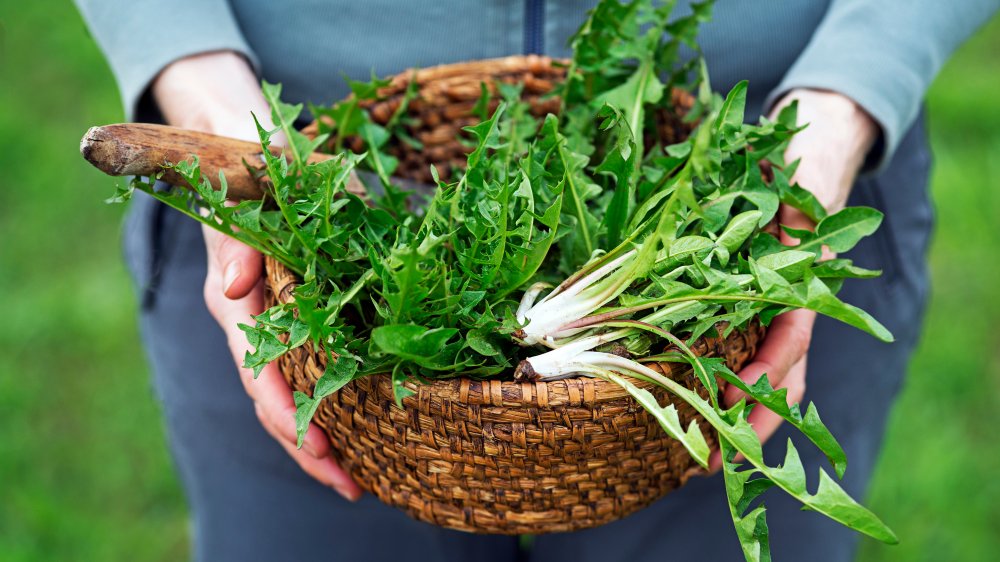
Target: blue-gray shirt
881, 53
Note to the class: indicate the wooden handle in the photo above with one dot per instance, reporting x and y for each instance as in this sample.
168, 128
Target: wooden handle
142, 149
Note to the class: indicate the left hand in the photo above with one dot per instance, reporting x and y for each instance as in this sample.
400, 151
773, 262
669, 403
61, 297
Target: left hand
832, 149
215, 92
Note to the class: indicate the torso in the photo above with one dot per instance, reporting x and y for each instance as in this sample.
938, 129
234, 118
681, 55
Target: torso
311, 48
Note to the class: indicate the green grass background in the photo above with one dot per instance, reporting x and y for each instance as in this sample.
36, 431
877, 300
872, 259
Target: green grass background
84, 471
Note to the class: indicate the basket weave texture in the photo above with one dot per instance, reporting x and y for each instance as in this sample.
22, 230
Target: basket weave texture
500, 456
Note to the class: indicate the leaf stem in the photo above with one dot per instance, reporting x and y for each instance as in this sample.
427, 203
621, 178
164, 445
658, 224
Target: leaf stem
581, 214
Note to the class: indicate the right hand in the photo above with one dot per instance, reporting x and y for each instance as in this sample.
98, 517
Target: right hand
215, 93
832, 149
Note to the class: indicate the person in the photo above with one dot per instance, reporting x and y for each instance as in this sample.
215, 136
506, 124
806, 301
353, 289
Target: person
859, 70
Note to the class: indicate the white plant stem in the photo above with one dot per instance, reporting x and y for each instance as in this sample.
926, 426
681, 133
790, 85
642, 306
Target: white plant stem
542, 321
528, 300
559, 362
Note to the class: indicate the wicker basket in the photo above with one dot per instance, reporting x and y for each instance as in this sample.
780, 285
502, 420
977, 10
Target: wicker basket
500, 456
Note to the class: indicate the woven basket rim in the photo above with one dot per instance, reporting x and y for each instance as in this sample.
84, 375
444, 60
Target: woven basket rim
489, 66
458, 71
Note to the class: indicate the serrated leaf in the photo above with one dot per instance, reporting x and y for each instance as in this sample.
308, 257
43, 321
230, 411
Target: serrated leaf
830, 499
246, 215
337, 374
642, 87
751, 528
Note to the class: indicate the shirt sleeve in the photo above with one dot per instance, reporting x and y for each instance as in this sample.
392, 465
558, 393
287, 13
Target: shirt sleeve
140, 38
884, 54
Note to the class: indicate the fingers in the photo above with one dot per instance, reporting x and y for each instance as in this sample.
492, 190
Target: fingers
234, 267
793, 218
273, 397
785, 344
273, 400
325, 470
764, 421
270, 390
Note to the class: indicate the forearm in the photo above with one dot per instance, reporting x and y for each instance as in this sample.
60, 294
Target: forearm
212, 92
883, 54
140, 39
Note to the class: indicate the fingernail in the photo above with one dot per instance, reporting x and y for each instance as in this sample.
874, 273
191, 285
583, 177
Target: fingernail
344, 485
348, 492
230, 275
291, 432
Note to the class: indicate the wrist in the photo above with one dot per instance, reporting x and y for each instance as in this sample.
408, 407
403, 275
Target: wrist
212, 92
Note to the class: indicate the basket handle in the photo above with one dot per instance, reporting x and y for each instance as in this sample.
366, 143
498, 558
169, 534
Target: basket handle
143, 149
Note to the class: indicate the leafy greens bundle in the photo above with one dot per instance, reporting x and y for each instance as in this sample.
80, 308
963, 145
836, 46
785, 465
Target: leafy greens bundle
575, 244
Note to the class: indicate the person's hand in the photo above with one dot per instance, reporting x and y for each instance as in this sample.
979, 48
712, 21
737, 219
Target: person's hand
215, 93
832, 149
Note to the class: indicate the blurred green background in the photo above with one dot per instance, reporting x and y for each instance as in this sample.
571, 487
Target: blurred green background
84, 470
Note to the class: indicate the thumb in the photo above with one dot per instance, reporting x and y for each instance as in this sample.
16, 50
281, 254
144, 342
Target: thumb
233, 267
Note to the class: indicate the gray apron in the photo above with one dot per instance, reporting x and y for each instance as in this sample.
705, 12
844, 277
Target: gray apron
249, 501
